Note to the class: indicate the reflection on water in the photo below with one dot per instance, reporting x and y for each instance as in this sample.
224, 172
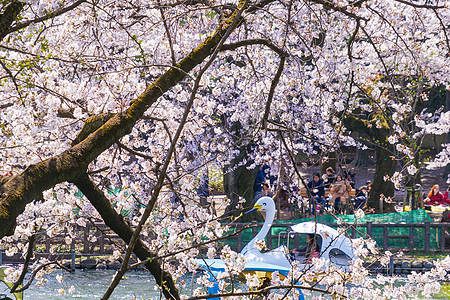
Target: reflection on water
90, 284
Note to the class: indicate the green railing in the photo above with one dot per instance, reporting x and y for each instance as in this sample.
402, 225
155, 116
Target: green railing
425, 236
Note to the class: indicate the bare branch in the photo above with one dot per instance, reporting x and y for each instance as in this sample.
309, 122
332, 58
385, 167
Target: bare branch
30, 251
172, 254
444, 29
13, 78
42, 19
274, 84
420, 5
262, 291
36, 271
352, 39
249, 42
166, 27
6, 105
333, 6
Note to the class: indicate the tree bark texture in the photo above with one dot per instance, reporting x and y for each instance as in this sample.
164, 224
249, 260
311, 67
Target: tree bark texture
239, 183
9, 15
67, 166
385, 165
385, 161
116, 222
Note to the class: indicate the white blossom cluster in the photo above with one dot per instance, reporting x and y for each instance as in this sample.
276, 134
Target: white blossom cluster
378, 58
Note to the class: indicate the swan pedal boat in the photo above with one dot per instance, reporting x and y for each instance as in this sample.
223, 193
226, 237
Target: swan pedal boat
335, 247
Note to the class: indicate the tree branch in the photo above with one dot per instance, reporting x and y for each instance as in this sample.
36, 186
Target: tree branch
9, 16
444, 29
274, 84
333, 6
41, 19
352, 39
116, 222
90, 125
166, 27
261, 291
249, 42
421, 5
35, 272
30, 251
6, 105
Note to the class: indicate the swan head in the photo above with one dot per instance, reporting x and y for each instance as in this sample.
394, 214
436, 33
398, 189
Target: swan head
264, 203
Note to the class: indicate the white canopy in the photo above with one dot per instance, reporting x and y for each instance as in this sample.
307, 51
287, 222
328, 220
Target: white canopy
332, 240
313, 227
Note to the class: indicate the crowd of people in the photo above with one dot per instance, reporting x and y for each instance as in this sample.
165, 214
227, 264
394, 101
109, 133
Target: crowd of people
336, 185
328, 191
339, 187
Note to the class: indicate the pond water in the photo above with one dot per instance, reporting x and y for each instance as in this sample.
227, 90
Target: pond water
91, 284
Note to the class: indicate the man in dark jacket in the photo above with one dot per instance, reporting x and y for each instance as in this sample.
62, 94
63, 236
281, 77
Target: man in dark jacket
328, 177
203, 191
316, 187
361, 198
258, 185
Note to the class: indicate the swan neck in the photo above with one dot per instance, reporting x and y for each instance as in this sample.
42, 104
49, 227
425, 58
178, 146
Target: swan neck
270, 214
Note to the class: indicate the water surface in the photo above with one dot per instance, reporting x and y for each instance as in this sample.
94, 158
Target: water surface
91, 284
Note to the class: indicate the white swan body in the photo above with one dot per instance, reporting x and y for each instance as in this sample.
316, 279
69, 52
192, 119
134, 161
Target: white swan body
334, 246
276, 259
276, 256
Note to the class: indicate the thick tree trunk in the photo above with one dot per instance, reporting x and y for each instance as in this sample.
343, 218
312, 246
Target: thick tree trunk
362, 158
447, 106
385, 162
23, 188
239, 183
385, 165
9, 15
116, 222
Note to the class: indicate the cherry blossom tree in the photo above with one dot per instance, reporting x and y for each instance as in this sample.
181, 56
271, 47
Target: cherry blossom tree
140, 96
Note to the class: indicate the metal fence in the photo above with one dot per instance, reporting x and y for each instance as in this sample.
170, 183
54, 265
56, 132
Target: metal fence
433, 237
81, 245
424, 237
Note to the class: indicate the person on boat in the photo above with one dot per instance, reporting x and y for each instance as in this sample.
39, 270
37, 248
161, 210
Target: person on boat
435, 197
311, 249
340, 194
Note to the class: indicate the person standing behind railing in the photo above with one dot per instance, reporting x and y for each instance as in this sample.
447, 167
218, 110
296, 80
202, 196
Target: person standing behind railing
203, 191
258, 184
